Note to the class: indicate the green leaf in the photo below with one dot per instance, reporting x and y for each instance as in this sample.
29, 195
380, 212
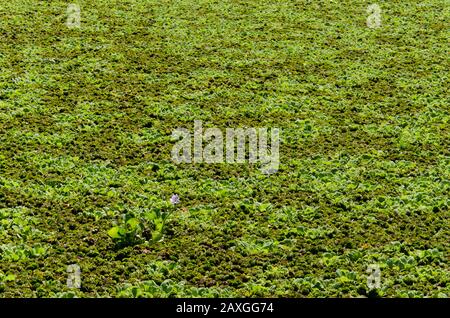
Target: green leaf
151, 215
133, 223
159, 224
10, 278
156, 236
136, 292
114, 232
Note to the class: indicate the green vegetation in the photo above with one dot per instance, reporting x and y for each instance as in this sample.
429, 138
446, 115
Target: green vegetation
132, 229
86, 176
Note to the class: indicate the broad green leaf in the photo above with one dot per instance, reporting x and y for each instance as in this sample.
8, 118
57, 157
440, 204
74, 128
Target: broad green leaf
114, 232
133, 223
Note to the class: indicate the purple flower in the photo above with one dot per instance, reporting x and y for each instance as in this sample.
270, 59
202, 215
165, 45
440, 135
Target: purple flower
175, 199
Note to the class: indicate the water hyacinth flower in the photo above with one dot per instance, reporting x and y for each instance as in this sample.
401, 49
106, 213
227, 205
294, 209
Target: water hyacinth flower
175, 199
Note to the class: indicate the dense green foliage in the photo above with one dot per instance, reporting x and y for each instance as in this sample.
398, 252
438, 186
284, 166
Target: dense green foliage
86, 116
